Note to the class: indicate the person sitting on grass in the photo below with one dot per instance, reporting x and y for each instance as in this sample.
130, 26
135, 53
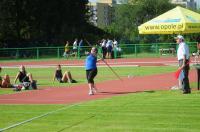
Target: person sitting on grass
5, 81
25, 78
63, 78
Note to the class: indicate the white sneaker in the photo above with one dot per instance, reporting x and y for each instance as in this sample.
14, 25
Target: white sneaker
175, 88
91, 93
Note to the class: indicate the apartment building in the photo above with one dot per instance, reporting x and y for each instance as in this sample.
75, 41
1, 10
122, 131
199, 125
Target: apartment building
103, 11
93, 13
186, 3
197, 4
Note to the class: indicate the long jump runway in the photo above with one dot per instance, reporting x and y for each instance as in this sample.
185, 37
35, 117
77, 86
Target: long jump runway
77, 94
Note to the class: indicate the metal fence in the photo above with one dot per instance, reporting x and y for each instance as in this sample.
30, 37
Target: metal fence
123, 51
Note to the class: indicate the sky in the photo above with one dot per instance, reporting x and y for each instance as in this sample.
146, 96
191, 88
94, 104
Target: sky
92, 0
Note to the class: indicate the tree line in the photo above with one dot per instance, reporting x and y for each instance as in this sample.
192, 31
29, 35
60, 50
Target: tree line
129, 16
30, 23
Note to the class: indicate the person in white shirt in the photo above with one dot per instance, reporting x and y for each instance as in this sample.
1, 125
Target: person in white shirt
109, 48
103, 47
75, 47
116, 49
115, 43
183, 59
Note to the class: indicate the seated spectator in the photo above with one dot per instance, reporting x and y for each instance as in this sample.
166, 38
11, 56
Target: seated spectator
5, 81
63, 78
25, 78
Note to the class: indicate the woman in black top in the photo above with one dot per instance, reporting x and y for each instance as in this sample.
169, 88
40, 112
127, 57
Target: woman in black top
23, 76
62, 78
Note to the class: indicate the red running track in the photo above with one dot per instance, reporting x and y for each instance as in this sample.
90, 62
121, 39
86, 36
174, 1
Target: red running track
76, 94
124, 61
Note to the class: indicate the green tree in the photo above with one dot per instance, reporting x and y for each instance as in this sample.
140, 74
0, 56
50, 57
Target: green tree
24, 22
129, 16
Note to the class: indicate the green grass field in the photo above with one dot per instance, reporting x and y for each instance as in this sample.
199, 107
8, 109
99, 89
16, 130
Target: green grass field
151, 111
44, 76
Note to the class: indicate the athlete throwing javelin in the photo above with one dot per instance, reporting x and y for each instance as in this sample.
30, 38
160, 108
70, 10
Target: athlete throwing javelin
91, 69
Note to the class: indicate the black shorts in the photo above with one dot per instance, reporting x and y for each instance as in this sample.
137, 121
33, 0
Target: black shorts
25, 79
59, 80
90, 74
67, 52
109, 49
75, 50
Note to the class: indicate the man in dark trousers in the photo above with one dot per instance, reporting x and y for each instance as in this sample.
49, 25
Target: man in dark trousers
183, 60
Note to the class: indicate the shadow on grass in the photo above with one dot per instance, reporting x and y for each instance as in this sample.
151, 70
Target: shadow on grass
113, 93
149, 91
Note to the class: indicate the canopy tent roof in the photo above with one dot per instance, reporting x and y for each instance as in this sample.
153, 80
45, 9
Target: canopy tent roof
176, 21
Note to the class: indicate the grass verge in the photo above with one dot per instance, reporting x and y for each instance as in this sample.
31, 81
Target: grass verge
152, 111
44, 76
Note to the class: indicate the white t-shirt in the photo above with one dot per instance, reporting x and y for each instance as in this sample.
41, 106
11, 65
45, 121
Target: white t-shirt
115, 43
183, 50
103, 44
75, 45
109, 43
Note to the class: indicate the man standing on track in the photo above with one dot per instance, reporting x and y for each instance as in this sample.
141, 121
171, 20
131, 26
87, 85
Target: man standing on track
91, 69
183, 60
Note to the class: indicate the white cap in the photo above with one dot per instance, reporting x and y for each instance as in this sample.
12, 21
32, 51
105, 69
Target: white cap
179, 37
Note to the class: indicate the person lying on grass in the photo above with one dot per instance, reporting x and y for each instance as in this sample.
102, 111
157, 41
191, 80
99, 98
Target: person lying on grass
63, 78
5, 81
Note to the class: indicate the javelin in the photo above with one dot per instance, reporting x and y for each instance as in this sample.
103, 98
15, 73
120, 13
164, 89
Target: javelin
112, 70
106, 63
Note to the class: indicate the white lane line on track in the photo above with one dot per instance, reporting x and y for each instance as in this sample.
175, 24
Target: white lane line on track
48, 66
113, 64
37, 117
43, 100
